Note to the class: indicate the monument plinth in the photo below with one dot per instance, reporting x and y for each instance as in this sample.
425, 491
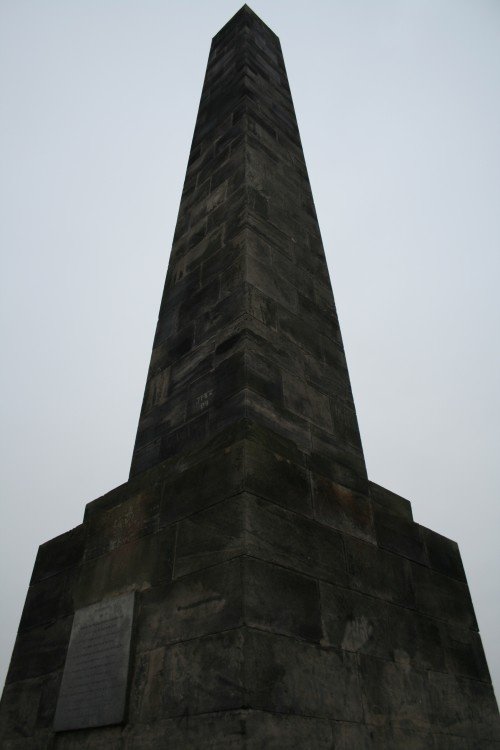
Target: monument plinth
261, 591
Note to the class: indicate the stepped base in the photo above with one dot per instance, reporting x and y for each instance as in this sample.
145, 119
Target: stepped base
274, 608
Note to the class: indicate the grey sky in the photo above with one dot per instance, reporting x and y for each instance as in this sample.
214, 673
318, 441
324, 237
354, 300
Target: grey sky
399, 110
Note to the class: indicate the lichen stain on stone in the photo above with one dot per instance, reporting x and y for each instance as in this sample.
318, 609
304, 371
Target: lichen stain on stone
357, 633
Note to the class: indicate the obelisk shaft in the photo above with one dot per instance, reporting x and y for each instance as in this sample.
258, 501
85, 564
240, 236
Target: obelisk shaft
247, 327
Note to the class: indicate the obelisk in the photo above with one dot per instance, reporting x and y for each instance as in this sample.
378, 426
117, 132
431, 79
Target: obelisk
248, 586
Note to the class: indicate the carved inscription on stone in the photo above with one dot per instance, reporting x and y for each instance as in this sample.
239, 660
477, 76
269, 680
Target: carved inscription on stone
94, 685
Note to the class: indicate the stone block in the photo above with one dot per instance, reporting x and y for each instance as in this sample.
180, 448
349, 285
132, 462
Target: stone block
210, 537
274, 286
273, 731
415, 639
464, 653
40, 651
48, 600
354, 622
280, 601
59, 554
321, 316
199, 676
199, 604
272, 441
394, 695
209, 481
443, 598
19, 710
288, 539
400, 536
108, 738
156, 392
337, 461
48, 700
390, 502
218, 731
249, 525
451, 742
198, 362
305, 401
378, 573
39, 742
398, 738
275, 477
187, 437
264, 377
451, 709
347, 736
272, 417
139, 565
291, 677
137, 516
342, 509
330, 378
444, 555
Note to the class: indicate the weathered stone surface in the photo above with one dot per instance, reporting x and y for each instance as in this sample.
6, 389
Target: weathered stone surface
246, 524
395, 695
444, 556
464, 653
355, 622
140, 564
193, 677
59, 554
277, 478
19, 709
415, 639
286, 676
48, 600
39, 651
283, 600
199, 604
443, 597
272, 731
342, 509
400, 536
379, 573
390, 502
217, 731
347, 736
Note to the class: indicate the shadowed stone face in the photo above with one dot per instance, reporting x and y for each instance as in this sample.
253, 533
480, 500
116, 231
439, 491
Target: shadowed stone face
247, 325
281, 599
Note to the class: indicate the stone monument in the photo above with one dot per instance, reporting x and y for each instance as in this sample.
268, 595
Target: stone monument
248, 587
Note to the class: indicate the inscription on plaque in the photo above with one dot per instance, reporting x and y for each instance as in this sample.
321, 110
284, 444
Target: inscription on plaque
94, 685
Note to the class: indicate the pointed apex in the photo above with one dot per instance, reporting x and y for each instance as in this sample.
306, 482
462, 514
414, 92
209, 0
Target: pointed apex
244, 14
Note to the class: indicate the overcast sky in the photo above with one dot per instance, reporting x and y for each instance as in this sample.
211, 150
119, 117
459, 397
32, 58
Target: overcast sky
399, 110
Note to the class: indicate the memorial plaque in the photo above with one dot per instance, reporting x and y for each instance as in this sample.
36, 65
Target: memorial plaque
94, 685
